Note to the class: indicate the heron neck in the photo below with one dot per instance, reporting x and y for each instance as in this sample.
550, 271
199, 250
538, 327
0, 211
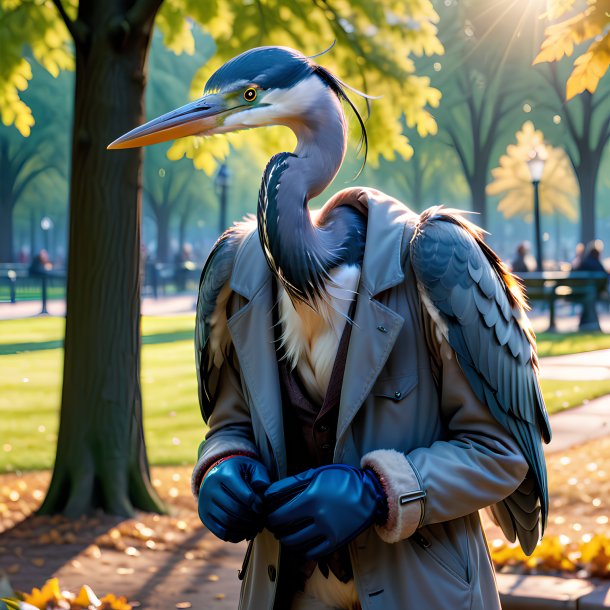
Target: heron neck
299, 252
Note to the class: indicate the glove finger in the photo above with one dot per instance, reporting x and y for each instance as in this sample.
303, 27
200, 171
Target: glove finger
290, 528
228, 531
281, 492
259, 479
293, 511
243, 495
234, 515
300, 539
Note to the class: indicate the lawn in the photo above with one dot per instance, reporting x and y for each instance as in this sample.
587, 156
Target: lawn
30, 378
560, 344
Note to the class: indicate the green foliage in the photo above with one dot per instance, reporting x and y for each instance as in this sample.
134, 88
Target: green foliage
28, 27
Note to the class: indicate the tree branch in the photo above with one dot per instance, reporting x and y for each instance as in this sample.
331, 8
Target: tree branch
141, 12
134, 19
77, 29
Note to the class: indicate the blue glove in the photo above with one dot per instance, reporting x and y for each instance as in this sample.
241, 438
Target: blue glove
318, 511
231, 498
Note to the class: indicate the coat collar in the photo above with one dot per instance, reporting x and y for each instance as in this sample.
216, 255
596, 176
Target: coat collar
382, 264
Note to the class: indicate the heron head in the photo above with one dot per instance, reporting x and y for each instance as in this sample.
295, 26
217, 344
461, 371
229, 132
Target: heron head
263, 86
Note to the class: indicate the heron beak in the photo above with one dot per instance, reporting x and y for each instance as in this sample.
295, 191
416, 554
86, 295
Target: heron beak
200, 117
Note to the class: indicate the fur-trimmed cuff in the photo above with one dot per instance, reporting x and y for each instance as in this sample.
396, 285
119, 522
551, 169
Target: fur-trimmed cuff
403, 490
207, 460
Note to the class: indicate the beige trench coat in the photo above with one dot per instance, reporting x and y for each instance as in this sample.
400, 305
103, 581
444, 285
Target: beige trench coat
454, 458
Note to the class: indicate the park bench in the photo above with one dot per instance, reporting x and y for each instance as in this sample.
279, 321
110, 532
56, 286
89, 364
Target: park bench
16, 282
158, 276
583, 287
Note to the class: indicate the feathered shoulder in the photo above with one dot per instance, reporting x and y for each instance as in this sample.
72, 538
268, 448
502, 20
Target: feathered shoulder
211, 333
479, 307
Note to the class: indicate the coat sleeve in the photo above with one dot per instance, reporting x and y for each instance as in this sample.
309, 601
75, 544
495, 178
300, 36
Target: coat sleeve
477, 465
230, 426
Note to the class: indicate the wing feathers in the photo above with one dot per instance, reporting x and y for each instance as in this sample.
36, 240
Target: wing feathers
210, 342
483, 308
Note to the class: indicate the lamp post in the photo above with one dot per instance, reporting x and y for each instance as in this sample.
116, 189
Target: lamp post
46, 224
535, 164
221, 182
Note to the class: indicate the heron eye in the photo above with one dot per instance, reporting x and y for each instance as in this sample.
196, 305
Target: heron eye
250, 94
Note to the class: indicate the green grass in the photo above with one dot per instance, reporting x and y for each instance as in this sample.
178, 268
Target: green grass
561, 395
560, 344
30, 379
31, 293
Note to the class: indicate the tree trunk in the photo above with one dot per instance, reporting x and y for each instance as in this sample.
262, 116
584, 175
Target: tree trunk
184, 221
6, 233
33, 243
163, 234
586, 174
101, 457
479, 199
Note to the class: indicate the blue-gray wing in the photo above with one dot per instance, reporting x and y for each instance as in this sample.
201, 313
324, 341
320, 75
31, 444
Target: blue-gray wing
211, 316
483, 310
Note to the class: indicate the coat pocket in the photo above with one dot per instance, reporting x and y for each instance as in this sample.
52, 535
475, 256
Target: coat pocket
447, 545
395, 388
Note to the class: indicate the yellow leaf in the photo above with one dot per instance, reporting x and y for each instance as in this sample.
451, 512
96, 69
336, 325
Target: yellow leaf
589, 68
111, 602
41, 598
87, 598
561, 37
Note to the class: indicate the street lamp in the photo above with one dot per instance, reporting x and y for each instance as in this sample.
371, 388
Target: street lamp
221, 182
535, 164
46, 224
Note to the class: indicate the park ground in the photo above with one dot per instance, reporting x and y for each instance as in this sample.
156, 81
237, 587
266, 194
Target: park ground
161, 562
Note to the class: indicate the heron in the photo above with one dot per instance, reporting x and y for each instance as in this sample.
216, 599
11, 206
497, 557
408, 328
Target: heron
316, 258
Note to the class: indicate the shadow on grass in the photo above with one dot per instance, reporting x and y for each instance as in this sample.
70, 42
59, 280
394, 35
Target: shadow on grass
10, 349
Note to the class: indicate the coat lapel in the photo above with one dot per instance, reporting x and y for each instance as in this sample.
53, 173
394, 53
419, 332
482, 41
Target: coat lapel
375, 331
376, 327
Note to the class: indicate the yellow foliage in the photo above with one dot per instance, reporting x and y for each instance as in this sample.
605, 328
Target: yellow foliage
589, 68
48, 595
557, 553
375, 43
511, 180
561, 38
38, 26
111, 602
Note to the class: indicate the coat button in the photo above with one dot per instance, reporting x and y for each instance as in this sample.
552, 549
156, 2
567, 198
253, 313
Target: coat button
323, 428
272, 572
325, 446
382, 329
397, 395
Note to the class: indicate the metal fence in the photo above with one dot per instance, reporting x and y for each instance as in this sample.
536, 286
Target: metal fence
17, 283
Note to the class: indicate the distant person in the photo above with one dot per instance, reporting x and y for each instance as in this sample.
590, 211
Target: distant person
578, 255
591, 261
182, 260
523, 263
41, 264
